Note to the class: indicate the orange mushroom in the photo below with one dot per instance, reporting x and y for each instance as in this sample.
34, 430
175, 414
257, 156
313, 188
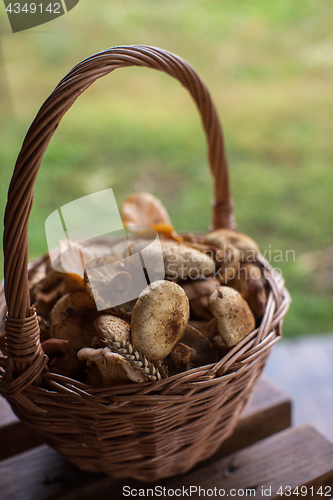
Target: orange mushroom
145, 210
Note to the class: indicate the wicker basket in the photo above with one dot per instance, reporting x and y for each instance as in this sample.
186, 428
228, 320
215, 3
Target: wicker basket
145, 431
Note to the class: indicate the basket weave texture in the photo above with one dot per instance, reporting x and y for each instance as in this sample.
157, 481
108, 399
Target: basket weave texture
145, 431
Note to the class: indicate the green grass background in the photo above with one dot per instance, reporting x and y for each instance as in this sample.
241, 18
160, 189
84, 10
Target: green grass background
269, 68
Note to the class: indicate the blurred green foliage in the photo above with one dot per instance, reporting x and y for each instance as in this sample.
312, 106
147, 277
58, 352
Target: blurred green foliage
269, 67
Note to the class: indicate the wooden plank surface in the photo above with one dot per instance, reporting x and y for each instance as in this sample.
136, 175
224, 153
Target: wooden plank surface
294, 457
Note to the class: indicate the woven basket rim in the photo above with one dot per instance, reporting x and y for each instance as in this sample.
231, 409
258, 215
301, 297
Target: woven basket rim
196, 377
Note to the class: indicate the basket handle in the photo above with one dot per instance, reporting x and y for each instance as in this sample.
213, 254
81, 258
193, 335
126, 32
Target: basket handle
20, 195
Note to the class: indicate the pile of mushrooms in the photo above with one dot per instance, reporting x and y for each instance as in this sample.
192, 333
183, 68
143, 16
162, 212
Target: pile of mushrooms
212, 296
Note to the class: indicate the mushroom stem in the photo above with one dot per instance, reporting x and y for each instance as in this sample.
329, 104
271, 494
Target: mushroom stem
115, 369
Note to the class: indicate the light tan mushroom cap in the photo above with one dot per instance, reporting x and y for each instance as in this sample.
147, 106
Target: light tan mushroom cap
234, 317
159, 319
221, 238
111, 328
183, 262
180, 261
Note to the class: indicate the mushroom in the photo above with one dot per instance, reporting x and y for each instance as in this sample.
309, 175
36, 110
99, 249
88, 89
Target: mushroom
193, 238
142, 210
222, 238
193, 350
182, 261
61, 359
114, 368
112, 328
226, 260
36, 276
209, 329
72, 260
221, 347
72, 319
107, 281
159, 319
256, 297
181, 356
197, 323
51, 280
198, 293
234, 317
249, 283
123, 311
70, 263
227, 263
44, 301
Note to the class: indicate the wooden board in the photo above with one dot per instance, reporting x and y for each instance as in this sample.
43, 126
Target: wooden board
294, 457
298, 456
267, 413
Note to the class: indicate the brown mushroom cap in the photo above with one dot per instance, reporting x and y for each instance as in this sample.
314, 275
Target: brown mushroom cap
204, 351
249, 283
246, 272
200, 288
209, 329
256, 297
234, 317
72, 319
181, 355
193, 350
227, 263
226, 260
221, 238
198, 293
45, 301
159, 319
61, 359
